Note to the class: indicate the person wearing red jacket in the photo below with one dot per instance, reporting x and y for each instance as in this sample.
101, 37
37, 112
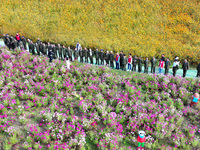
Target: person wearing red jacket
161, 66
18, 37
141, 139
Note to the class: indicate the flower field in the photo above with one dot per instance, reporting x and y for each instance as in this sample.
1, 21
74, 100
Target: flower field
45, 106
144, 28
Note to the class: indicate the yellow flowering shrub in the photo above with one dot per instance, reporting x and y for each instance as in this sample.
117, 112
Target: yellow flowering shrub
145, 28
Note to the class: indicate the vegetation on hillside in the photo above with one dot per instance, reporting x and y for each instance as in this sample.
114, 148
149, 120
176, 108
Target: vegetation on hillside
141, 27
45, 105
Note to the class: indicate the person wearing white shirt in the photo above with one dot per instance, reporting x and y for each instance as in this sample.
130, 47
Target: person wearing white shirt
68, 63
175, 67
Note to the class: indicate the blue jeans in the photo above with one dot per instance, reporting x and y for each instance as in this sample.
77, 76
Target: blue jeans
129, 66
160, 70
117, 65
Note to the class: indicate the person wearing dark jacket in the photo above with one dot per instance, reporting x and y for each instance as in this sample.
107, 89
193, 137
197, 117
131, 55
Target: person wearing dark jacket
50, 54
91, 55
121, 55
86, 55
54, 50
146, 65
8, 42
107, 57
81, 55
111, 58
12, 41
140, 62
44, 49
167, 64
102, 57
4, 39
24, 42
198, 70
69, 51
124, 63
41, 48
49, 46
185, 67
15, 44
134, 63
75, 54
59, 49
64, 52
37, 48
97, 56
153, 65
32, 48
38, 41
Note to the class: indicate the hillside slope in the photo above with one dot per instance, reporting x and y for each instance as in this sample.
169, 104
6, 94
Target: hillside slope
45, 105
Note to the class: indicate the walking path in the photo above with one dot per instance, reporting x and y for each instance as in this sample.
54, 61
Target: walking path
190, 73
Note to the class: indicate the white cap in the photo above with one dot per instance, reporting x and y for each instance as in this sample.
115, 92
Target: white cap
141, 132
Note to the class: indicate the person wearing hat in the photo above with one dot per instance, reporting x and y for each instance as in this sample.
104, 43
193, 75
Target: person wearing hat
146, 65
175, 67
102, 57
153, 65
141, 140
111, 58
185, 67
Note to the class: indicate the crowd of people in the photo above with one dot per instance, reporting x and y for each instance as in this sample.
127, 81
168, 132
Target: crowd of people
102, 58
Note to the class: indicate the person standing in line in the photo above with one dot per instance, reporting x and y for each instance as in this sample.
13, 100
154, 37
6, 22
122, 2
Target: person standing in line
4, 39
102, 57
129, 62
185, 67
167, 64
97, 56
39, 41
24, 42
153, 65
64, 52
41, 48
37, 48
124, 63
117, 59
163, 57
44, 49
140, 62
121, 55
198, 70
91, 55
134, 63
78, 46
86, 55
175, 67
69, 51
107, 55
161, 65
75, 54
59, 49
50, 54
17, 37
146, 65
81, 55
111, 59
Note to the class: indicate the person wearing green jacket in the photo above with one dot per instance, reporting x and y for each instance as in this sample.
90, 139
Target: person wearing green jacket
146, 65
75, 54
124, 62
140, 62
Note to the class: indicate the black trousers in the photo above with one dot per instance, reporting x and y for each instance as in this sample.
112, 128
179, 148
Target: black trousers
121, 65
102, 62
153, 69
139, 69
133, 67
166, 71
86, 59
70, 58
174, 71
198, 73
50, 59
97, 61
146, 70
111, 64
81, 59
107, 62
91, 60
184, 72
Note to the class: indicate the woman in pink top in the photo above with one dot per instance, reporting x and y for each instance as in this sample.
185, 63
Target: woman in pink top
17, 37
